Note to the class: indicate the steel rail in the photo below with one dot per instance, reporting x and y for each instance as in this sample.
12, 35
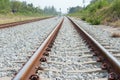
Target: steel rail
114, 63
20, 22
31, 66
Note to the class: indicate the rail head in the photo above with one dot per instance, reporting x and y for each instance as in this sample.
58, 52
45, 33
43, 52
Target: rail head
29, 69
114, 63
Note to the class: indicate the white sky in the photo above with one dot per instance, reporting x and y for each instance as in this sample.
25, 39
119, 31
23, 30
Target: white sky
63, 4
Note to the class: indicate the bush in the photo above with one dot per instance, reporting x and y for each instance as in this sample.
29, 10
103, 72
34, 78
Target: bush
94, 20
90, 13
116, 7
83, 18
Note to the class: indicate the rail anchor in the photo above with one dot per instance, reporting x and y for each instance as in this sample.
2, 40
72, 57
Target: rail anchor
34, 77
43, 59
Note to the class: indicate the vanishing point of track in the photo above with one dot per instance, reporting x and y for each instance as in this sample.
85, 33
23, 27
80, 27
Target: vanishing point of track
91, 51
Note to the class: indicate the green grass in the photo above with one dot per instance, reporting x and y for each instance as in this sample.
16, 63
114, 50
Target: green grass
101, 11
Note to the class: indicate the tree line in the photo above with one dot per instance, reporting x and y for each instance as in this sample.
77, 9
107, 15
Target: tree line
10, 6
74, 9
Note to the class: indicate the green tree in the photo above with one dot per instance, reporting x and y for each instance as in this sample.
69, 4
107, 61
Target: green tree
4, 6
74, 9
50, 10
15, 6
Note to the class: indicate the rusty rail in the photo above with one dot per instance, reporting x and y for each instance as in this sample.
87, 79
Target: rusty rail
110, 63
20, 22
29, 69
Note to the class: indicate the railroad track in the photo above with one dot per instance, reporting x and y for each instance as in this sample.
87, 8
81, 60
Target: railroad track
70, 55
18, 43
6, 25
105, 38
70, 58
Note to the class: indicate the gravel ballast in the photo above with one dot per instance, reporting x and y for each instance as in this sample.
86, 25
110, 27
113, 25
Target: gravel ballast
18, 43
70, 58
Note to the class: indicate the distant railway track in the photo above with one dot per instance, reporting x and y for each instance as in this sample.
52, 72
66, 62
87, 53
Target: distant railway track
90, 53
20, 22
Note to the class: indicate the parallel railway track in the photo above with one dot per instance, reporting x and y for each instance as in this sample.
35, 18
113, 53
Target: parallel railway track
73, 61
70, 58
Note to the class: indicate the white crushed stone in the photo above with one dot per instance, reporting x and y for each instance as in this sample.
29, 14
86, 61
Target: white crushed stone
19, 42
64, 54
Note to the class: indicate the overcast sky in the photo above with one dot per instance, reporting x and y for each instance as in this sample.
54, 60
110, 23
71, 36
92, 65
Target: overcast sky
63, 4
